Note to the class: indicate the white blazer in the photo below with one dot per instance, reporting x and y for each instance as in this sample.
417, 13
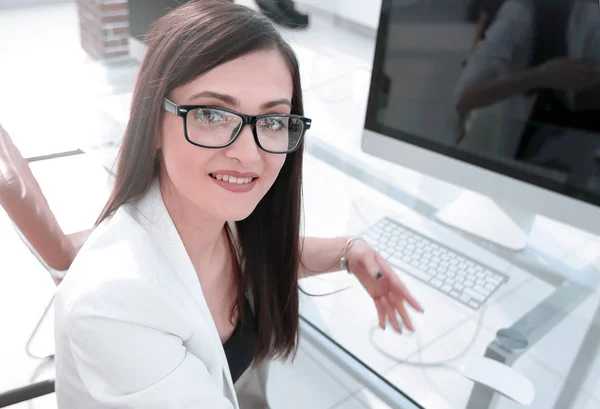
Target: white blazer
132, 327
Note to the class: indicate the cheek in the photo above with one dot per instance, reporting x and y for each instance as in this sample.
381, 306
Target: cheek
182, 161
273, 164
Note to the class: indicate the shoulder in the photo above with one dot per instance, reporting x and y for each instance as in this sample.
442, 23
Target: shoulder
513, 18
119, 265
120, 247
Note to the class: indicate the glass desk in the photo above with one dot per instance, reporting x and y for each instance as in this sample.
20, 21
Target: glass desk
549, 309
552, 297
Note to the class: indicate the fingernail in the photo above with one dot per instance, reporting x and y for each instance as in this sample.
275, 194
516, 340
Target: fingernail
378, 275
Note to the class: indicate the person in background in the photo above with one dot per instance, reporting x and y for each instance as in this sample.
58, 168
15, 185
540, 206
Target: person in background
487, 11
528, 45
283, 12
189, 282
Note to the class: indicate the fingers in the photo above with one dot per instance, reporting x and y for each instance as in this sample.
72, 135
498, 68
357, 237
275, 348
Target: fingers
380, 313
397, 283
399, 306
391, 313
408, 297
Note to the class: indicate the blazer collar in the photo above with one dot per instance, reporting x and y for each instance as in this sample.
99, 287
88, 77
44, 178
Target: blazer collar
157, 221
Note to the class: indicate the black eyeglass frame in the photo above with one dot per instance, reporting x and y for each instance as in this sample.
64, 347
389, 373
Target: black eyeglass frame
183, 110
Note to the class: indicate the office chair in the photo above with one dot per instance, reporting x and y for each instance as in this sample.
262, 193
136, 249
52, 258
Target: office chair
26, 206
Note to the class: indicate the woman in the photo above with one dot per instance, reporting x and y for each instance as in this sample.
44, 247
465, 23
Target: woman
191, 276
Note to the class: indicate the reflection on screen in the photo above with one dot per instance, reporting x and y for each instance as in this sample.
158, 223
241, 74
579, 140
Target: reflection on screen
514, 83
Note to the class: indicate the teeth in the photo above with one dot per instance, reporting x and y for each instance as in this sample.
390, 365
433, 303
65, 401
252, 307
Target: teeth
231, 179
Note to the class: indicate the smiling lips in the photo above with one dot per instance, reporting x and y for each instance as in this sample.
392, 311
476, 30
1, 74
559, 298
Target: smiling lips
234, 181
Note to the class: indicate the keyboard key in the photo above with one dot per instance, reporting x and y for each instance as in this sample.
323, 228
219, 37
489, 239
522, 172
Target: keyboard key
436, 283
493, 280
474, 304
422, 275
481, 289
474, 294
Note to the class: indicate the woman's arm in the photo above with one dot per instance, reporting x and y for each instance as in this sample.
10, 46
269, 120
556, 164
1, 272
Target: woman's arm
487, 93
565, 74
321, 255
127, 341
484, 79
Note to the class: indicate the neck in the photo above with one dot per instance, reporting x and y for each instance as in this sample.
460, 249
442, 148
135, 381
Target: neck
200, 233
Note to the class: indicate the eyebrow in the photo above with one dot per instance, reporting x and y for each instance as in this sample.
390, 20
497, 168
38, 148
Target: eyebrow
228, 99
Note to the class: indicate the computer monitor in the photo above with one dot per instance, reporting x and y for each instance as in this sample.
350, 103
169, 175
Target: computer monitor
499, 97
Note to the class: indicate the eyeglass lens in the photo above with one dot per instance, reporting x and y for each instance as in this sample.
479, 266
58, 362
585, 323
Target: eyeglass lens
215, 128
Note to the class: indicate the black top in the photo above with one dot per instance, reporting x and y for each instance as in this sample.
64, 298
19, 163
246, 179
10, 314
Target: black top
240, 347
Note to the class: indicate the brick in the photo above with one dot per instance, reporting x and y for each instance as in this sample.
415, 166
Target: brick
115, 43
114, 7
115, 31
104, 27
115, 19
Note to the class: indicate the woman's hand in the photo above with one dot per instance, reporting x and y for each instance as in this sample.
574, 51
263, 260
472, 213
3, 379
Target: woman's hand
567, 74
380, 281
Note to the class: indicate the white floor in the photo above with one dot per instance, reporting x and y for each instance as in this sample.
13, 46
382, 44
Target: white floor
54, 100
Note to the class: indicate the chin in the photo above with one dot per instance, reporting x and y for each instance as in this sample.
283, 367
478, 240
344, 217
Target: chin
236, 215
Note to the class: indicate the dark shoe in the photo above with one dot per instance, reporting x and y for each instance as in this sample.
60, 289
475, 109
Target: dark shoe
282, 12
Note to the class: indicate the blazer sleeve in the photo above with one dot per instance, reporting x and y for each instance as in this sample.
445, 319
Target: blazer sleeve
127, 343
493, 56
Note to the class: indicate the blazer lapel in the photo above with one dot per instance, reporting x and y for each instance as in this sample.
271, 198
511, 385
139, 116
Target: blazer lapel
164, 233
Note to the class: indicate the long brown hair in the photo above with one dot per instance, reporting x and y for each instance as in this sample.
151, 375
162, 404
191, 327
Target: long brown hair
185, 43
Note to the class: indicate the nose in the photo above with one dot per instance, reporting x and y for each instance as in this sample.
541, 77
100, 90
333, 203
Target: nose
244, 149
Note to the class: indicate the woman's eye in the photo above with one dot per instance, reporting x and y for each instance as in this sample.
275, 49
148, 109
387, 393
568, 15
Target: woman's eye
209, 116
274, 124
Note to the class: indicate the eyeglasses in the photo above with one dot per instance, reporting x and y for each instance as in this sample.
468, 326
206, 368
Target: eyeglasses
215, 127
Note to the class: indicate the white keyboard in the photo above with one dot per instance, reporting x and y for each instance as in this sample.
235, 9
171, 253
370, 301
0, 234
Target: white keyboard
454, 274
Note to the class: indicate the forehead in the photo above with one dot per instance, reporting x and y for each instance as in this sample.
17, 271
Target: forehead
255, 77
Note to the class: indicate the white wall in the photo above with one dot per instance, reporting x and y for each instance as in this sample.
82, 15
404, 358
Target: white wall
363, 12
9, 4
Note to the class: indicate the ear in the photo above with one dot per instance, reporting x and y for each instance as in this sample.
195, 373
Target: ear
158, 140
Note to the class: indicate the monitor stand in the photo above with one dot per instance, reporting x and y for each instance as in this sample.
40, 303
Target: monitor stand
498, 223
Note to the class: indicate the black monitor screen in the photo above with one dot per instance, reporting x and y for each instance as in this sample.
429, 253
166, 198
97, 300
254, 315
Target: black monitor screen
512, 86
